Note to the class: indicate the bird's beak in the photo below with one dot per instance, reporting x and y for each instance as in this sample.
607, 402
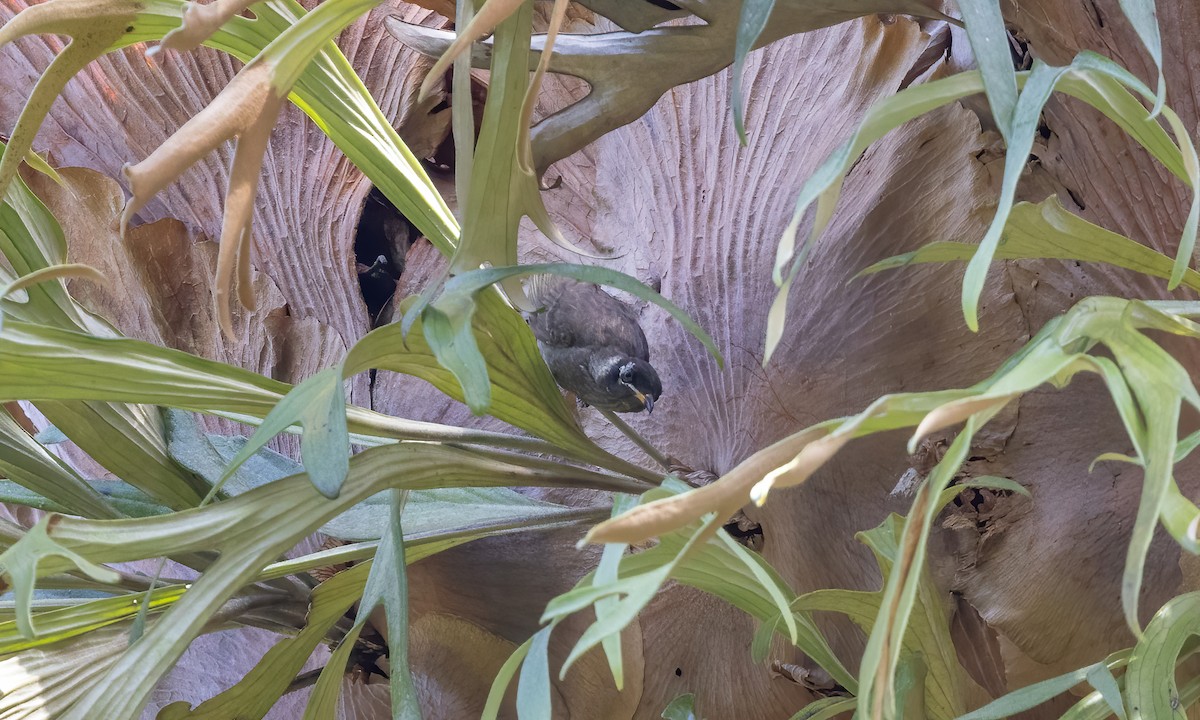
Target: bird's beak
643, 398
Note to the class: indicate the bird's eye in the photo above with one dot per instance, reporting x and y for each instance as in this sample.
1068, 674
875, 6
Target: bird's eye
627, 373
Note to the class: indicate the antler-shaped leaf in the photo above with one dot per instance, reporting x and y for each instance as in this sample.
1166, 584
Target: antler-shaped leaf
1092, 78
1147, 385
43, 555
629, 71
246, 110
249, 532
485, 20
94, 27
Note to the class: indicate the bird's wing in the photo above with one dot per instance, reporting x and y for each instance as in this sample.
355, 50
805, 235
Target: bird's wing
582, 315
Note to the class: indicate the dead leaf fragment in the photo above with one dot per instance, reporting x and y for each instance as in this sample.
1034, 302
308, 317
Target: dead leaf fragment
958, 411
246, 109
724, 496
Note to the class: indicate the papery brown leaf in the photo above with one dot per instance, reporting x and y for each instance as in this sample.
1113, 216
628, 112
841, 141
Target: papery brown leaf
247, 110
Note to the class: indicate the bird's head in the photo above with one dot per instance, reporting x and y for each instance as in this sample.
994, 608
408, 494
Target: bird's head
637, 377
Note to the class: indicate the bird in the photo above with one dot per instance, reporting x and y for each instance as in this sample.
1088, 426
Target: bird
593, 344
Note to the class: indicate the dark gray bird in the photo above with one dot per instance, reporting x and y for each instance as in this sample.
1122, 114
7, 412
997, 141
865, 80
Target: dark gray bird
593, 344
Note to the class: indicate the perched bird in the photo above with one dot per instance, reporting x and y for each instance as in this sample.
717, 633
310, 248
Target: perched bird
593, 344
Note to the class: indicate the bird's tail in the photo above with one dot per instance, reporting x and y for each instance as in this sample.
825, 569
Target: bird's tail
541, 289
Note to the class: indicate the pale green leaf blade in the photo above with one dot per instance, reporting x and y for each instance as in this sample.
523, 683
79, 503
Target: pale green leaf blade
448, 330
1107, 87
1048, 230
1101, 678
681, 708
1155, 379
990, 482
249, 531
68, 622
1187, 243
491, 708
42, 363
824, 185
24, 561
1028, 697
882, 656
638, 590
322, 702
766, 578
50, 273
989, 44
319, 405
523, 391
443, 510
462, 110
208, 455
607, 572
1187, 445
1021, 131
491, 219
268, 680
46, 681
24, 461
533, 686
1150, 686
751, 23
1181, 518
910, 687
387, 585
826, 708
1144, 20
127, 440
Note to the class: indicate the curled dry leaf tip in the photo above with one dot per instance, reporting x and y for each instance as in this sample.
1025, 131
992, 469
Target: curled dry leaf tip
724, 496
199, 23
663, 516
955, 412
